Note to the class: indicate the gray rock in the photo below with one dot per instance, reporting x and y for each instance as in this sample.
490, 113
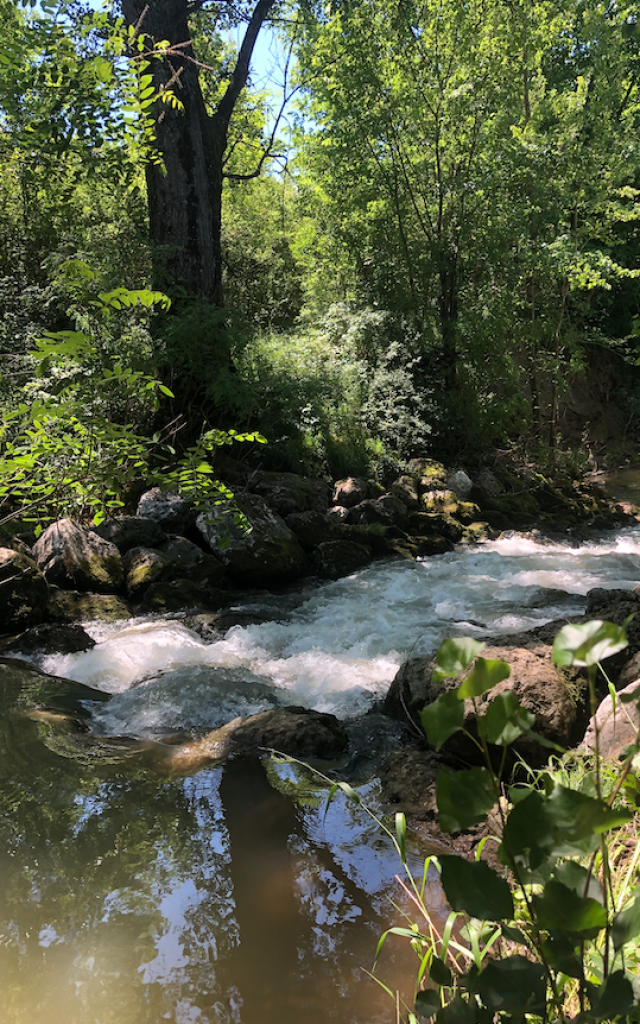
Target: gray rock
286, 493
268, 551
188, 560
128, 532
311, 528
293, 730
460, 483
40, 641
335, 558
72, 557
406, 489
350, 492
23, 591
617, 725
168, 510
339, 513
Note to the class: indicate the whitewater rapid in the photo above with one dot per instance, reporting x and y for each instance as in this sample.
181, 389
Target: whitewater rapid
337, 646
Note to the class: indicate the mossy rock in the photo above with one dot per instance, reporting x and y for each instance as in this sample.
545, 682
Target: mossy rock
23, 591
74, 606
467, 512
475, 533
181, 595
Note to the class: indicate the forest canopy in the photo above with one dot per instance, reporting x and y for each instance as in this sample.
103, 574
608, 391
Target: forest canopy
430, 248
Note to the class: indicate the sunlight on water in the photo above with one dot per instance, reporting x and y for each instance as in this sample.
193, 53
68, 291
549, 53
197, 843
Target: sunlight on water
340, 645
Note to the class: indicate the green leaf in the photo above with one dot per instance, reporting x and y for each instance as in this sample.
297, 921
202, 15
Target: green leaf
514, 984
455, 655
588, 643
505, 719
442, 718
561, 909
476, 889
401, 836
427, 1003
458, 1011
485, 674
560, 951
464, 798
439, 972
626, 923
615, 998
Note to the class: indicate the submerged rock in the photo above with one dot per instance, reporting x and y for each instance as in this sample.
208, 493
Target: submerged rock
42, 640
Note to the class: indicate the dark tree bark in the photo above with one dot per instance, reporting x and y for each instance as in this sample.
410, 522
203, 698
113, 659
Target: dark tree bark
185, 191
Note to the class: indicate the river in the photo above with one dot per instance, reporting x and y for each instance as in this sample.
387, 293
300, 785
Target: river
230, 895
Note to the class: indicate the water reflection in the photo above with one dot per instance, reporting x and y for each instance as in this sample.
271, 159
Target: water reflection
132, 899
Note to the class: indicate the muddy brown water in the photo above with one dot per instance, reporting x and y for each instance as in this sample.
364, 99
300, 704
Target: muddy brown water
225, 896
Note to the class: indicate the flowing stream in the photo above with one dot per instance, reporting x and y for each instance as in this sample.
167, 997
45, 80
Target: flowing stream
229, 895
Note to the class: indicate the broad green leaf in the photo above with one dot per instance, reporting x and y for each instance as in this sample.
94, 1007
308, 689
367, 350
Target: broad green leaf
505, 719
513, 985
427, 1003
626, 923
442, 718
455, 655
615, 998
485, 674
561, 909
464, 798
561, 954
476, 889
439, 972
588, 643
458, 1011
576, 877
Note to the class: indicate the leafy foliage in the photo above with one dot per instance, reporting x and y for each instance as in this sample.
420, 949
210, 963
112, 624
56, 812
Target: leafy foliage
553, 939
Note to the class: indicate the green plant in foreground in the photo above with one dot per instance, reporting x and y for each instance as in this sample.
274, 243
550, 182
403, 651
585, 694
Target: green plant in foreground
553, 939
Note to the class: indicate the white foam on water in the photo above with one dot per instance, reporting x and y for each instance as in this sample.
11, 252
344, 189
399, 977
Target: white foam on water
340, 646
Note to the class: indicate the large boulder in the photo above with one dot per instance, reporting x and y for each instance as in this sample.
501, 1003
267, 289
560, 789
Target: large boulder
267, 551
72, 557
23, 591
128, 532
287, 493
335, 558
170, 511
312, 528
557, 697
186, 559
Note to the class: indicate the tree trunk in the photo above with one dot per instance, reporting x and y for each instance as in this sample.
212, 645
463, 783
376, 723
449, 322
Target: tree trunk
185, 188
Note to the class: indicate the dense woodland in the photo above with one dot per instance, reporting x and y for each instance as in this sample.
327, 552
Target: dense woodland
426, 243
